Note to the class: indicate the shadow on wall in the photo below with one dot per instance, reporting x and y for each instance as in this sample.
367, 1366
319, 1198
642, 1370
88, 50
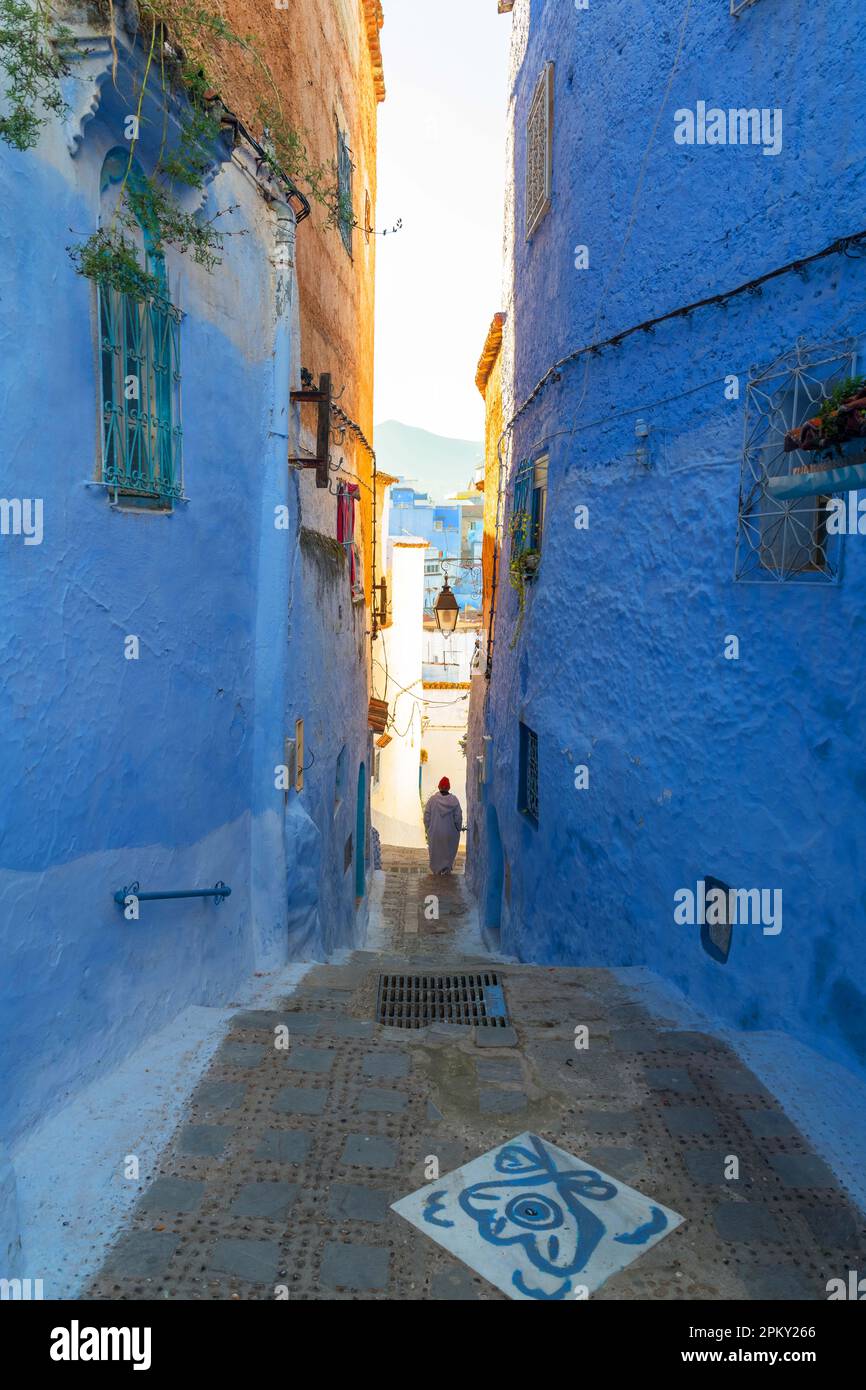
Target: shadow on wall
361, 834
492, 923
303, 843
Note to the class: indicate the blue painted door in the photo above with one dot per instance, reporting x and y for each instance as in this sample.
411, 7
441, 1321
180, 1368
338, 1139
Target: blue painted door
361, 833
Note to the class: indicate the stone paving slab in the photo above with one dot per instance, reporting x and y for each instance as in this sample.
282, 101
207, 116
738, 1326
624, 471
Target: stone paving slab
358, 1267
386, 1064
369, 1151
241, 1054
501, 1102
204, 1141
284, 1145
375, 1098
354, 1202
142, 1255
270, 1200
219, 1095
300, 1100
316, 1061
499, 1069
173, 1195
254, 1261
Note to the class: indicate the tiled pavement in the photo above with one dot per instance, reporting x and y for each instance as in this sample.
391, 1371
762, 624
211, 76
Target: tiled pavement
279, 1183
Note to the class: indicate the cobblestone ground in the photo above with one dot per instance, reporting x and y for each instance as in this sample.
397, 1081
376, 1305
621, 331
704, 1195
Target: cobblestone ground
282, 1175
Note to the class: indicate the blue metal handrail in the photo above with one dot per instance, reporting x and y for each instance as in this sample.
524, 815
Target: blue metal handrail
219, 893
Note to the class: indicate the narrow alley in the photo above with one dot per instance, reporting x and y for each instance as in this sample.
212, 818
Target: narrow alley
281, 1179
432, 720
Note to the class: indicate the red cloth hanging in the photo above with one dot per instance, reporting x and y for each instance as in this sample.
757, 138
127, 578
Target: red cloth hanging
347, 496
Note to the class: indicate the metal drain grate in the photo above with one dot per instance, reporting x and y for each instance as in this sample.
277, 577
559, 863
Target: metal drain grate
413, 1001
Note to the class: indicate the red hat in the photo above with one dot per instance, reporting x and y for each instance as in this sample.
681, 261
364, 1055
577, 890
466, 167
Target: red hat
444, 785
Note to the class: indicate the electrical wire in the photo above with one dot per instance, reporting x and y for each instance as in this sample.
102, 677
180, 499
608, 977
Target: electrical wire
407, 690
841, 246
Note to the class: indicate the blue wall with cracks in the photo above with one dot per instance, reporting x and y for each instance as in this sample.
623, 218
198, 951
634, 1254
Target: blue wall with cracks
752, 771
160, 769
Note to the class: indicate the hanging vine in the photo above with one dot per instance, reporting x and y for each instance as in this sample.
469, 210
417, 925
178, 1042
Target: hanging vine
33, 66
186, 44
521, 567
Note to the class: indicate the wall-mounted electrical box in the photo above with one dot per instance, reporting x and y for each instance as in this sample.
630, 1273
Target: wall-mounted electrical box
290, 764
299, 755
484, 758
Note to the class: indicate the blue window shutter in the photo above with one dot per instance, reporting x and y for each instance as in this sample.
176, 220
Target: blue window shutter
522, 503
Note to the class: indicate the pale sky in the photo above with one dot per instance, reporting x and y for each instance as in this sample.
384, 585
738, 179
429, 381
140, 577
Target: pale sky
441, 168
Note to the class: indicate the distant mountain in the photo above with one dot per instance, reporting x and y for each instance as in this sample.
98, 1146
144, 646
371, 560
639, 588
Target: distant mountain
429, 462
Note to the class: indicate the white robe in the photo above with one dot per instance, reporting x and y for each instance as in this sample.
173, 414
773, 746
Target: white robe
443, 821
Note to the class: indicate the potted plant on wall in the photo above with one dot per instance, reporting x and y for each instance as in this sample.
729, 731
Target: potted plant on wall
841, 417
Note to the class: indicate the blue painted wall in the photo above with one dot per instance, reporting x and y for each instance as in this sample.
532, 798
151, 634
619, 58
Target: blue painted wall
411, 515
160, 769
752, 771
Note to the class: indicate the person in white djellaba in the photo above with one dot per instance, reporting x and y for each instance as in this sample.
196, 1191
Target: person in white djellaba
443, 821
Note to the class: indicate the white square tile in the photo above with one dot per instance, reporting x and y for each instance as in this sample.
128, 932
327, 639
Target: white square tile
536, 1221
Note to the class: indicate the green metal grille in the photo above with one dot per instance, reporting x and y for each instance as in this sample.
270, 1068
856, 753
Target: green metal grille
532, 774
527, 802
344, 190
141, 434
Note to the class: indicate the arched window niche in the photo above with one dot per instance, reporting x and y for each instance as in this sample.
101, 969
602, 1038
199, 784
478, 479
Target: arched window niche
139, 349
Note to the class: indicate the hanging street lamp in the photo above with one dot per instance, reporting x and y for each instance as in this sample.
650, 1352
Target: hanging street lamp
445, 610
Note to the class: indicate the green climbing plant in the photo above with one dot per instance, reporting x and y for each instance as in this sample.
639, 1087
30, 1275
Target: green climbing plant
522, 565
288, 153
182, 42
33, 61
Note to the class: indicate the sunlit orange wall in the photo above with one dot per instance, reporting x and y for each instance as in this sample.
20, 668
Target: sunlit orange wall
489, 382
325, 69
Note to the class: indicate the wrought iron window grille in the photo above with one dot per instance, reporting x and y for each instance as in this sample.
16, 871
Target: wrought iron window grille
142, 437
344, 190
528, 802
539, 151
786, 540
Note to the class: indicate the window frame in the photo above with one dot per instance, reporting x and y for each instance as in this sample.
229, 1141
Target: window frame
348, 496
786, 541
145, 333
528, 805
530, 496
345, 192
540, 109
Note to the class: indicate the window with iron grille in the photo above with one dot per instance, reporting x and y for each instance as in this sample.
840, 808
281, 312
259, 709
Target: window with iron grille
527, 797
139, 339
345, 214
539, 150
347, 498
141, 435
786, 538
530, 504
